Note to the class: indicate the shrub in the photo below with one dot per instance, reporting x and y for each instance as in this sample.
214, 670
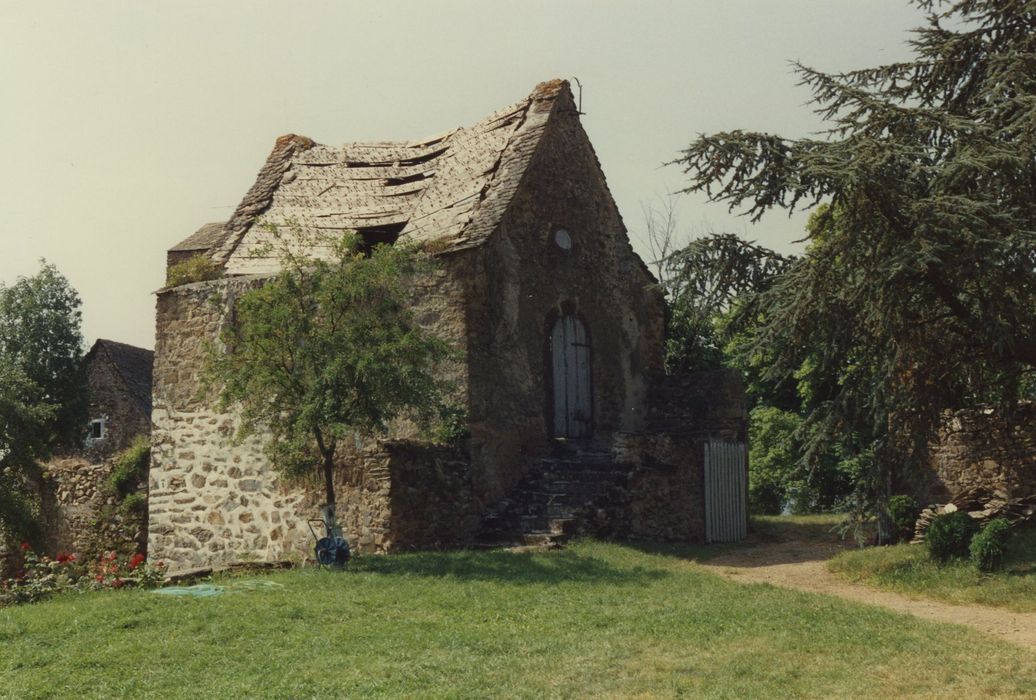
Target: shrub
42, 576
452, 426
949, 535
133, 504
130, 466
904, 511
987, 547
196, 268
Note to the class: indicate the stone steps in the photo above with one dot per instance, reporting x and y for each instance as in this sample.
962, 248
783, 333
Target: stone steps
554, 499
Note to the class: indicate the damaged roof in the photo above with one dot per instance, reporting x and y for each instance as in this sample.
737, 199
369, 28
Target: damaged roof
132, 364
452, 189
206, 238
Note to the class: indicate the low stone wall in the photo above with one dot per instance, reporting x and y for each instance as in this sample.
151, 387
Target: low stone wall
432, 499
706, 404
984, 449
79, 515
666, 486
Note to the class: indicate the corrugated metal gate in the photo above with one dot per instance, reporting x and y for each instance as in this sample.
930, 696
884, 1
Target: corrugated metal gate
726, 491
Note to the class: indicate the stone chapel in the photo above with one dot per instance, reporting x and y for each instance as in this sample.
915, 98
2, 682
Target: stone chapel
574, 426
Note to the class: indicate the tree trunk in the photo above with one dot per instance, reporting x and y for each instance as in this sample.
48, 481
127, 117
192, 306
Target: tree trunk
886, 528
328, 453
329, 478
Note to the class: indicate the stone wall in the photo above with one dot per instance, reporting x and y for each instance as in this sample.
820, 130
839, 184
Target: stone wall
217, 501
984, 449
705, 404
432, 501
80, 515
524, 281
667, 487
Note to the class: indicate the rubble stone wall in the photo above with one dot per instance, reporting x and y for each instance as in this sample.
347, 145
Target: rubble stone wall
431, 496
80, 515
984, 449
525, 281
667, 486
217, 501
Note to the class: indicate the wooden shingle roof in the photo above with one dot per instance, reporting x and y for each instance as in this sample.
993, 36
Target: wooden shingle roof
451, 189
205, 238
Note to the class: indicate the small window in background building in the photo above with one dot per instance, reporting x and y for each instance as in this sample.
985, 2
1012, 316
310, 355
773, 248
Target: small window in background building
96, 429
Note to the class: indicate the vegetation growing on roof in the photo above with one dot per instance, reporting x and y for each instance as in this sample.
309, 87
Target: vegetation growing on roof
197, 268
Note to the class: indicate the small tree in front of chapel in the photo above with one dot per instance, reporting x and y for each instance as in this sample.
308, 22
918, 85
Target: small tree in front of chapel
327, 352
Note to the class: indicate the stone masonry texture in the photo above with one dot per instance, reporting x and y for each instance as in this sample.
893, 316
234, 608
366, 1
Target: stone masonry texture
983, 449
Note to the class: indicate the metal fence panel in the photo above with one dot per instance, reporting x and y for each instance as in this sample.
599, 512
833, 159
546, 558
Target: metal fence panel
726, 491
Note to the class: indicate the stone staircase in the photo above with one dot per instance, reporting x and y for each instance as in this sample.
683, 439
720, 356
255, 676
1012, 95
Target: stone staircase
560, 496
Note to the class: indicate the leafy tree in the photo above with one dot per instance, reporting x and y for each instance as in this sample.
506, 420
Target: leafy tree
704, 280
772, 458
25, 421
40, 333
327, 351
920, 296
43, 394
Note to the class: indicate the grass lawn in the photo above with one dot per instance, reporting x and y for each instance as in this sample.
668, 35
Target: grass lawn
594, 619
907, 569
819, 527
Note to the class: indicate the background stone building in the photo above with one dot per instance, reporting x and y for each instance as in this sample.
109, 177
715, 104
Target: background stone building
80, 512
119, 379
559, 324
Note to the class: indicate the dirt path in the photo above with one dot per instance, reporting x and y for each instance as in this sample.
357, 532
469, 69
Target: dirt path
803, 566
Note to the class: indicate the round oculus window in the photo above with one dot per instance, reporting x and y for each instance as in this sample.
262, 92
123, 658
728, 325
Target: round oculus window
562, 239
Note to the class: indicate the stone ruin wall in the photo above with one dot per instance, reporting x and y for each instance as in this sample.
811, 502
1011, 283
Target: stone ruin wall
667, 488
215, 501
78, 515
983, 449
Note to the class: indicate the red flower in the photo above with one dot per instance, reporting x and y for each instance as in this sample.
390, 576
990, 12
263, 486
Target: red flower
61, 558
118, 583
100, 578
71, 557
25, 546
136, 561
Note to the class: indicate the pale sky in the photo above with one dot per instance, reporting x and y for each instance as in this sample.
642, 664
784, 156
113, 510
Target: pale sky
127, 125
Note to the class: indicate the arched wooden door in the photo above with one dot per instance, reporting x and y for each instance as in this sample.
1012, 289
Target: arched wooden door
570, 373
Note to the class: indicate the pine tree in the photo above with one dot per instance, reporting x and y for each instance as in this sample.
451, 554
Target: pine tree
918, 289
